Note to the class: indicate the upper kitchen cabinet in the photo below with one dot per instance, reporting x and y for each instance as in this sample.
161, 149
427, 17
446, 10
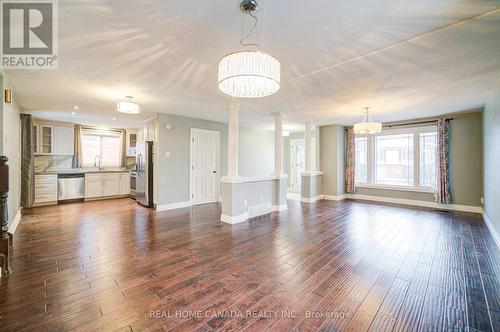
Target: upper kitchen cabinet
46, 139
63, 142
132, 136
35, 133
53, 139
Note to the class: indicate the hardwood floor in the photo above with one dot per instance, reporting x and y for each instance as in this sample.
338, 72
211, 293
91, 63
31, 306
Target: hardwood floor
330, 266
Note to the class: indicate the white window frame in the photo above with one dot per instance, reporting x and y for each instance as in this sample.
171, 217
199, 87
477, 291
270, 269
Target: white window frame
101, 133
372, 158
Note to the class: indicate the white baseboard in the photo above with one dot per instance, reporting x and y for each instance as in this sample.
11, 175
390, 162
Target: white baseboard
245, 216
173, 206
279, 208
411, 202
310, 199
15, 221
333, 197
492, 229
234, 219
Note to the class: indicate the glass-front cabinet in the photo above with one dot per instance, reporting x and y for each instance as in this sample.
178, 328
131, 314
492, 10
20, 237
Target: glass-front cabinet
46, 139
132, 136
35, 139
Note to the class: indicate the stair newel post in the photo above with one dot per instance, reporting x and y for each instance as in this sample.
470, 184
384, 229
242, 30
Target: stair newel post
4, 216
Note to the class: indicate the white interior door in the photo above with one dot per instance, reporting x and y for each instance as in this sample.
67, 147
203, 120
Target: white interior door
205, 145
298, 161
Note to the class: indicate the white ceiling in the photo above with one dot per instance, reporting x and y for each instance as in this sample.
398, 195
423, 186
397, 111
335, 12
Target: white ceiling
336, 56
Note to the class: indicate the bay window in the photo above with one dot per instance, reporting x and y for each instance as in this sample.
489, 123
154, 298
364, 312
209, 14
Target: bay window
403, 158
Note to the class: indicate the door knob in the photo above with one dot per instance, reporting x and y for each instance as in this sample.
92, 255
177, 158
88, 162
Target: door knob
215, 172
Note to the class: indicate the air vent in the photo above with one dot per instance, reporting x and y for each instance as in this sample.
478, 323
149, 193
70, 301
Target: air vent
259, 210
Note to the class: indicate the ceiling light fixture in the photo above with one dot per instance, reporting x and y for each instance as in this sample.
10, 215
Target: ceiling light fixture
367, 126
249, 73
286, 133
128, 106
73, 113
76, 107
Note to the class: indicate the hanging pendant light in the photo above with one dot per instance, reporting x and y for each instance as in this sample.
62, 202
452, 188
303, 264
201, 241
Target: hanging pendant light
128, 106
367, 126
249, 73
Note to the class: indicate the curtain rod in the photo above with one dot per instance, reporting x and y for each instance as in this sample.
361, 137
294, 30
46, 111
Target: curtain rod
414, 123
96, 128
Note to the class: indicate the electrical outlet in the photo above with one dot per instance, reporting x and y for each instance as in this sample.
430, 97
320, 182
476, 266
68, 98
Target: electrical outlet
482, 200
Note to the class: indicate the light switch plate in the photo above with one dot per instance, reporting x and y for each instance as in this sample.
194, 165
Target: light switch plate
167, 154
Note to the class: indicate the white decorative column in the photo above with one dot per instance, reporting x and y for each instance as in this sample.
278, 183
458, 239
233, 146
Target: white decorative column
311, 181
278, 144
232, 150
308, 143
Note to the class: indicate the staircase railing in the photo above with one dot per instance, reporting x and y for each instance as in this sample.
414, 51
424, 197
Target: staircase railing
5, 238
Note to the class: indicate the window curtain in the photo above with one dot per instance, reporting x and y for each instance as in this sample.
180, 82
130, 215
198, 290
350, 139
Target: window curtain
77, 148
350, 161
27, 162
124, 149
442, 191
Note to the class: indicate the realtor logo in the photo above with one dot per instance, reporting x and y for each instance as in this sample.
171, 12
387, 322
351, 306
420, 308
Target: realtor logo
29, 34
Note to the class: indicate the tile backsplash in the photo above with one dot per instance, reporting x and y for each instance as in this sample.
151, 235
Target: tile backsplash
58, 163
52, 163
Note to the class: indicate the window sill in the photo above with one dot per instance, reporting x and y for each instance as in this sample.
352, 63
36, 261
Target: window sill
397, 188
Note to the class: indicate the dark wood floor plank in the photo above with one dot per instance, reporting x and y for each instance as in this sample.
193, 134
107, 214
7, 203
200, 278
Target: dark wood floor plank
112, 265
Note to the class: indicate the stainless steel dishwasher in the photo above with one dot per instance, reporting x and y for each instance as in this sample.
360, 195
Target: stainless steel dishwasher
71, 187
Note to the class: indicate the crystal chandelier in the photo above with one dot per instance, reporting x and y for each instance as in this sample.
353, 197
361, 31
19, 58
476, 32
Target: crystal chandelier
249, 74
367, 126
128, 107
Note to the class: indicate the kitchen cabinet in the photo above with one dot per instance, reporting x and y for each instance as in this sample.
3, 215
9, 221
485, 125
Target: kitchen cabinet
63, 140
46, 139
45, 189
124, 183
107, 184
131, 146
51, 138
93, 188
35, 139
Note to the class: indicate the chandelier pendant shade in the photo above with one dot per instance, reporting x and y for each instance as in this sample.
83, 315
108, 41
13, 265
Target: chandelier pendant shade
367, 127
248, 73
128, 107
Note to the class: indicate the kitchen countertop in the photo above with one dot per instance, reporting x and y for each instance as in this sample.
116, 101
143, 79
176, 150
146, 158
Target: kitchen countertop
84, 170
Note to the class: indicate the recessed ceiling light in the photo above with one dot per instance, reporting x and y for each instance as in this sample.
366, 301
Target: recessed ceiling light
114, 119
76, 107
73, 113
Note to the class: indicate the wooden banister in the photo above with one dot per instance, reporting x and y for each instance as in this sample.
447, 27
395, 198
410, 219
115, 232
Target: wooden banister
4, 216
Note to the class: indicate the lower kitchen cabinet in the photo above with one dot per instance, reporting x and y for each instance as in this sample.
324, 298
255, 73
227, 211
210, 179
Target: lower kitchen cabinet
45, 189
107, 184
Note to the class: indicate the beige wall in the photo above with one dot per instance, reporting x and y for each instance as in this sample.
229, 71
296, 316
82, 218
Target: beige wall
491, 150
332, 159
256, 152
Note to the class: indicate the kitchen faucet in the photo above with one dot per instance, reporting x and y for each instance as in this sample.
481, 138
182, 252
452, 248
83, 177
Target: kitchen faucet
97, 159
